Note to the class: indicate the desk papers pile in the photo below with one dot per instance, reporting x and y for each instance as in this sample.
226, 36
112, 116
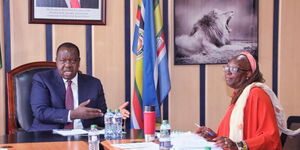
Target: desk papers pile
138, 146
179, 140
189, 140
68, 132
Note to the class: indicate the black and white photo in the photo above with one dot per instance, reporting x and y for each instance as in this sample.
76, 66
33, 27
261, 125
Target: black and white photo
212, 31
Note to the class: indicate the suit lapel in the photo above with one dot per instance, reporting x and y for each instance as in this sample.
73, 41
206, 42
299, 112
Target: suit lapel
61, 89
80, 89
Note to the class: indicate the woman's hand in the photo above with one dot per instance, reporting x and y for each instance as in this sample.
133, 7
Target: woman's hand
207, 133
225, 142
125, 113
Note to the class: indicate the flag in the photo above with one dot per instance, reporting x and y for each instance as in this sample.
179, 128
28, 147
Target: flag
151, 65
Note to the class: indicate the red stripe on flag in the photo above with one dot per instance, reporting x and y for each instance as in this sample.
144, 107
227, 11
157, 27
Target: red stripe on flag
161, 47
138, 14
137, 110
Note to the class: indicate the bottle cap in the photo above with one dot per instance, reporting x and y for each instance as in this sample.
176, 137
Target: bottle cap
117, 110
207, 148
93, 126
108, 110
165, 121
149, 108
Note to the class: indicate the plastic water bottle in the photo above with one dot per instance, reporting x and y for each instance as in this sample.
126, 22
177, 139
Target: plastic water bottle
165, 136
108, 120
118, 125
93, 138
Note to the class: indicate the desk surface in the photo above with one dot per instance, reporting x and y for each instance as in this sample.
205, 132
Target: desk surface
48, 136
108, 143
72, 145
44, 136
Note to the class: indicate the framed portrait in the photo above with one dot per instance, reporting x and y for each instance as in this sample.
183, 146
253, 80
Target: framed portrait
212, 31
67, 11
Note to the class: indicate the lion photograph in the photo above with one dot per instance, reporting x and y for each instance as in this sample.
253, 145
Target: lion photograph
212, 31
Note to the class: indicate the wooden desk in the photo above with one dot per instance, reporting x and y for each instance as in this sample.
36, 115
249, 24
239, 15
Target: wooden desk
32, 138
68, 145
107, 143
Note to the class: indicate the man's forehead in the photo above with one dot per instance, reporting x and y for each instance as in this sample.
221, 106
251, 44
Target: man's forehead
64, 48
70, 51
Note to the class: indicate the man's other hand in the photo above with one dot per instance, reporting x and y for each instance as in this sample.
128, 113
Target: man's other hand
83, 112
125, 113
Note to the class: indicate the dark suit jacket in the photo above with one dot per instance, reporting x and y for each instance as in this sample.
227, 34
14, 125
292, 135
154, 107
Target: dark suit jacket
48, 100
62, 3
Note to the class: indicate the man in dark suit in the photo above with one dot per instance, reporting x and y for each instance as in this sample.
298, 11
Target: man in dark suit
66, 3
48, 95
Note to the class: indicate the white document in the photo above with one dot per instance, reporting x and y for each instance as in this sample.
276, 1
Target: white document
190, 141
68, 132
179, 140
138, 146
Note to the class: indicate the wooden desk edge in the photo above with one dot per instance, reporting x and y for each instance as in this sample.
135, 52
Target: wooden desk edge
47, 145
107, 144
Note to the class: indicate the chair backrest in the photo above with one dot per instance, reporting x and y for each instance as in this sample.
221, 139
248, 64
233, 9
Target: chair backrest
293, 122
19, 83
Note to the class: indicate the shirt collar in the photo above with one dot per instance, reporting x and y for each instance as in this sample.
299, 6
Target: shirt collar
74, 80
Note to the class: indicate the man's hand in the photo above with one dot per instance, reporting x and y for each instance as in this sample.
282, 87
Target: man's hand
125, 113
83, 112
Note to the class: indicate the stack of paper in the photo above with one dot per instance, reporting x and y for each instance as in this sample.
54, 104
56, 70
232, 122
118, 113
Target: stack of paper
138, 146
189, 140
179, 140
68, 132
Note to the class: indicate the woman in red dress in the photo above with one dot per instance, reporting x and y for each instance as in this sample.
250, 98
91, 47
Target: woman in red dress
254, 116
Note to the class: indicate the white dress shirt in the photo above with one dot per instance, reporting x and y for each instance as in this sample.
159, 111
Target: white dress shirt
77, 122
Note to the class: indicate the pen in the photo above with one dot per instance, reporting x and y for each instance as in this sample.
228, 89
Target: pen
208, 132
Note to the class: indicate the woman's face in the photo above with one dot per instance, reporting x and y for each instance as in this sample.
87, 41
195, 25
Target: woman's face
237, 72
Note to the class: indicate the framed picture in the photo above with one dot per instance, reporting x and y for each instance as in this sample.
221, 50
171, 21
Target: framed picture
212, 31
67, 11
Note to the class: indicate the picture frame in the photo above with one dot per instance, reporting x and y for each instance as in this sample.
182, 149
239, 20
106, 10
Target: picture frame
59, 12
213, 31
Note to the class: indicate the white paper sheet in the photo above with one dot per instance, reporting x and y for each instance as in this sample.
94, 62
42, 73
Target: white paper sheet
189, 140
179, 140
68, 132
138, 146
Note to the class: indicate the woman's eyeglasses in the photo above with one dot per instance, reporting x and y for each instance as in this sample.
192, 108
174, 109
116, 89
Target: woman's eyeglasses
233, 69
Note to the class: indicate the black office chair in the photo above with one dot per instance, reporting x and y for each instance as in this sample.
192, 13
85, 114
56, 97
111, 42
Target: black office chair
291, 120
18, 84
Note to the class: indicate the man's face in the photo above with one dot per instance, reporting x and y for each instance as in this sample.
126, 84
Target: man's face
67, 62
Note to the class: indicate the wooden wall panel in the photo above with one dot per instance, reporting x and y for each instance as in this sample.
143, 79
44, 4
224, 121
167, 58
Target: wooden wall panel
108, 54
184, 96
289, 53
27, 40
2, 76
265, 37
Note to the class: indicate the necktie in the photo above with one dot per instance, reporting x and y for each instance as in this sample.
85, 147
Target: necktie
75, 4
69, 102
